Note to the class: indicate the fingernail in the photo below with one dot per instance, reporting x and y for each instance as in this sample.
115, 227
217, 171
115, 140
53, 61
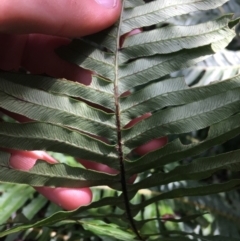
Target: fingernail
107, 3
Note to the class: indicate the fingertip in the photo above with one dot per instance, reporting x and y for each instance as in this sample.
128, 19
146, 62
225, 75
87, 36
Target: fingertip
103, 17
133, 32
151, 146
103, 168
67, 198
137, 120
25, 160
97, 166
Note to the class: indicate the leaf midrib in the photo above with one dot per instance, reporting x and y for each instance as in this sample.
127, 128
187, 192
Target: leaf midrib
119, 146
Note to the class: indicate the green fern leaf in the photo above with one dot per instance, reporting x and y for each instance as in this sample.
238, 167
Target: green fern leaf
70, 117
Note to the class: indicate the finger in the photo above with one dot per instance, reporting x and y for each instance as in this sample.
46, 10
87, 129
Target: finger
137, 120
97, 166
25, 160
102, 168
151, 145
133, 32
11, 50
36, 53
68, 18
43, 59
67, 198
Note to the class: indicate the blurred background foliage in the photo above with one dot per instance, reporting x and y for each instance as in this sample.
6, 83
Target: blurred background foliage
205, 215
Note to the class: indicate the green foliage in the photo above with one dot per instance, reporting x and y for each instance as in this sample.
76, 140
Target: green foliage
170, 197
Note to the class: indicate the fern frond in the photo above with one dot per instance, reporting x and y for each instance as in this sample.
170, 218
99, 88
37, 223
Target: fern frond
64, 120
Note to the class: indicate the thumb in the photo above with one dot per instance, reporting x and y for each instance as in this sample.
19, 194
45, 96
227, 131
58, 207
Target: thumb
68, 18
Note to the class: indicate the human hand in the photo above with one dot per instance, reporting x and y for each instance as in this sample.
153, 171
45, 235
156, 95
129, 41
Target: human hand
30, 31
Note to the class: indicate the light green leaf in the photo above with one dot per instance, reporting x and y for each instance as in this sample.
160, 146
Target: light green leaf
57, 175
90, 57
199, 169
104, 229
176, 151
160, 11
12, 198
195, 191
175, 38
133, 4
171, 92
143, 70
64, 111
54, 138
185, 118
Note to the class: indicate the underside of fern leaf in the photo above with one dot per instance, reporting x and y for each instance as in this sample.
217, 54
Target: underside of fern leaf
92, 122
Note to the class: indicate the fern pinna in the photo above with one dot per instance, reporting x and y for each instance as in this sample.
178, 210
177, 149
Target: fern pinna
133, 76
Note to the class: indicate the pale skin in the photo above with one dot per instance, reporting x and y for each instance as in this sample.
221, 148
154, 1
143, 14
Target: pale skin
30, 31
